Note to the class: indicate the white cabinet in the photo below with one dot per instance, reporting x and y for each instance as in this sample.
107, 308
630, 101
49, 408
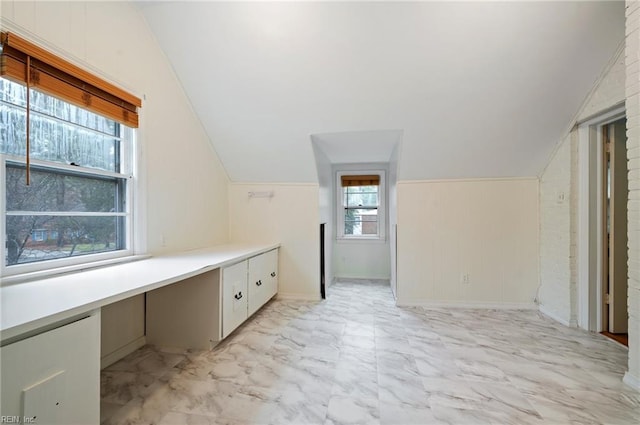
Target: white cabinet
53, 377
263, 279
246, 287
200, 311
234, 297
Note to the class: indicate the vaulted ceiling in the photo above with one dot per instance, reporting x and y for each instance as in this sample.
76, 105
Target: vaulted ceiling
477, 89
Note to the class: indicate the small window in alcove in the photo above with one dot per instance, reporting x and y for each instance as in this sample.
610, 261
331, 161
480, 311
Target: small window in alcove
360, 205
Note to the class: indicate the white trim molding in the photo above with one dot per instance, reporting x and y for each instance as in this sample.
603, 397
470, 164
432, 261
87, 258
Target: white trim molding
589, 235
364, 280
467, 304
122, 352
469, 179
631, 381
297, 297
550, 314
381, 208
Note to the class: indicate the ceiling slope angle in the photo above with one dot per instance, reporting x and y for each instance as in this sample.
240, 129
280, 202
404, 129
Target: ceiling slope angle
479, 89
353, 147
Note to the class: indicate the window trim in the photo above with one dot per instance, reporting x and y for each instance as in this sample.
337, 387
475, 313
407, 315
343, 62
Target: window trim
133, 162
382, 207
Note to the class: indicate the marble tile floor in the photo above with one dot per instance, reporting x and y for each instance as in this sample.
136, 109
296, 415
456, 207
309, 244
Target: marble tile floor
356, 358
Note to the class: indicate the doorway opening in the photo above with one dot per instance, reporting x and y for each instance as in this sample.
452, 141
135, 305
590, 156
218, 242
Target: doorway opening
613, 225
357, 177
601, 230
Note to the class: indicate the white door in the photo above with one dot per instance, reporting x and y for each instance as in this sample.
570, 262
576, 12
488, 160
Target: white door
234, 297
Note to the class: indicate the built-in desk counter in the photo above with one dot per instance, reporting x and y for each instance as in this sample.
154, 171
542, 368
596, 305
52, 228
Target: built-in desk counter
50, 328
27, 307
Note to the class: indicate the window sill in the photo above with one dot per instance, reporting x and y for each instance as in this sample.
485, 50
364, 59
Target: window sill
44, 274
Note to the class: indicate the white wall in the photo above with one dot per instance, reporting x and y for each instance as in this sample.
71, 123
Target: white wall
632, 54
182, 179
558, 220
608, 91
290, 217
186, 184
486, 228
122, 329
361, 259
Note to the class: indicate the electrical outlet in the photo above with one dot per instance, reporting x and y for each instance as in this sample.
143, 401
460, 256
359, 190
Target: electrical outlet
465, 278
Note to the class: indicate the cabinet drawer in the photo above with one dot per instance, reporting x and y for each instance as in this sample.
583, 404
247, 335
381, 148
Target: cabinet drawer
234, 297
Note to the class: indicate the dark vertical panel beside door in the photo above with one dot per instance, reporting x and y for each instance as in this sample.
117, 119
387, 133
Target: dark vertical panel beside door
322, 273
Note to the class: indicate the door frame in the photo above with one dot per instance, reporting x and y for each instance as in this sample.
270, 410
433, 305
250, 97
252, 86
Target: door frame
590, 285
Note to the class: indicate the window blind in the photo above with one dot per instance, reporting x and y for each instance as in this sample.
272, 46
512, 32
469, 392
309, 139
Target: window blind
360, 180
24, 62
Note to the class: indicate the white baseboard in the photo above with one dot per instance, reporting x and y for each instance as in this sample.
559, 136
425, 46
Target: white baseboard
466, 304
555, 317
299, 297
631, 381
361, 279
122, 352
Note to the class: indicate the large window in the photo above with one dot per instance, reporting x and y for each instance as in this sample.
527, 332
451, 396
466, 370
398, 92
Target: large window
361, 205
66, 161
76, 202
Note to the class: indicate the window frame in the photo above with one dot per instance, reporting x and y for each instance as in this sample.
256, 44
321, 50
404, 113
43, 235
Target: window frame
382, 206
96, 89
46, 268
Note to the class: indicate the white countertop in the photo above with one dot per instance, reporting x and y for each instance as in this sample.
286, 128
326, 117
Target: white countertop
28, 306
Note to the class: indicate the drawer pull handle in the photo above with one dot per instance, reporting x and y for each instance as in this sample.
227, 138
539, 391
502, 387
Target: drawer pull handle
238, 295
273, 274
258, 283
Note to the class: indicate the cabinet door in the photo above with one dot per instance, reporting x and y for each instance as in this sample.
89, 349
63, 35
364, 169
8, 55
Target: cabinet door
53, 377
234, 297
263, 279
258, 282
271, 262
